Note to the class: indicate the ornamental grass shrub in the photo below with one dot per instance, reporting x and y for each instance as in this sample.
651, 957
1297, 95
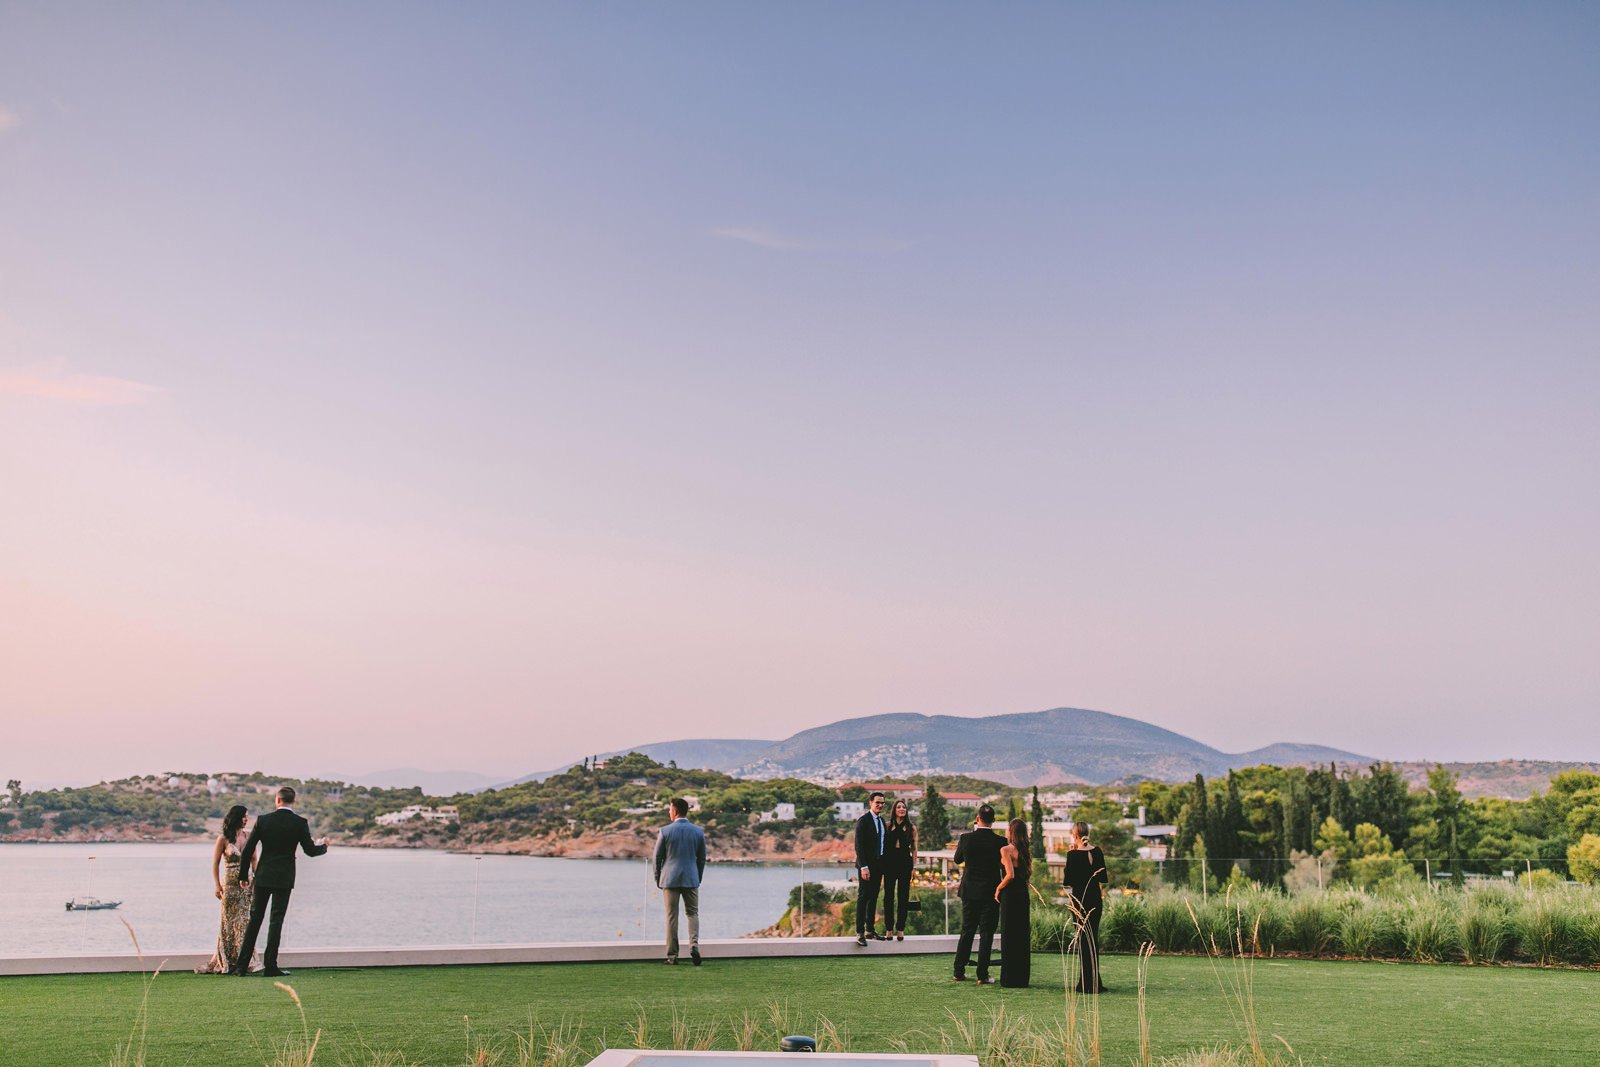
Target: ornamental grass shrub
1588, 936
1430, 930
1126, 926
1555, 926
1313, 921
1485, 926
1050, 927
1360, 933
1266, 924
1218, 925
1170, 922
1548, 927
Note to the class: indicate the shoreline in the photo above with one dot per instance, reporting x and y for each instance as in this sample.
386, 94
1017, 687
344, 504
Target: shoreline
580, 848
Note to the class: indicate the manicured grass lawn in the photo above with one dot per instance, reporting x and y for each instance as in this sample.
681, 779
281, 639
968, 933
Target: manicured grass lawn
1329, 1012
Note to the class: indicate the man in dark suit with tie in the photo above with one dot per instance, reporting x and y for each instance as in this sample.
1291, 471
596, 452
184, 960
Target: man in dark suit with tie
979, 849
278, 834
869, 869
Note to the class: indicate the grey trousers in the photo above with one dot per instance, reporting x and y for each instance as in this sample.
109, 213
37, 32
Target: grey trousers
691, 908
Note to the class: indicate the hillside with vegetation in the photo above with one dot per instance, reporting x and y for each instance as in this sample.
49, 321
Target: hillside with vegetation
610, 808
170, 806
1268, 825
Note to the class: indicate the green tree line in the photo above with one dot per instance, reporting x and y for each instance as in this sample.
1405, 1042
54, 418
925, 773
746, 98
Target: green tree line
1369, 827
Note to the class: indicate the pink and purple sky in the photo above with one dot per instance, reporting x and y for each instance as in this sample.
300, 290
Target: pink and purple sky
475, 388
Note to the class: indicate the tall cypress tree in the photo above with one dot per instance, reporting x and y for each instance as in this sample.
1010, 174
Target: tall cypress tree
1297, 824
934, 832
1233, 823
1036, 843
1449, 811
1339, 806
1277, 862
1218, 854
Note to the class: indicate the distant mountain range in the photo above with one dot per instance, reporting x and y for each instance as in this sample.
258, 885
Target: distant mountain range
1059, 745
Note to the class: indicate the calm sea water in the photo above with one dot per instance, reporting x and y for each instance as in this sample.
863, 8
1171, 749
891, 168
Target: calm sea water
355, 897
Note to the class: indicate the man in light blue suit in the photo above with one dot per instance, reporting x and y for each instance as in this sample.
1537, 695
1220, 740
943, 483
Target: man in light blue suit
680, 864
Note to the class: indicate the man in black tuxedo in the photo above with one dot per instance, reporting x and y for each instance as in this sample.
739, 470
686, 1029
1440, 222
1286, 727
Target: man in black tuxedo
278, 834
869, 869
979, 849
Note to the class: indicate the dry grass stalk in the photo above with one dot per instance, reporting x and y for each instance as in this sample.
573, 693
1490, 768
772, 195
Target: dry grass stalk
133, 1053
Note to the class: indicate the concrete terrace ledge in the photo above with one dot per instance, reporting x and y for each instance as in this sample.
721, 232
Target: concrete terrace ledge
470, 955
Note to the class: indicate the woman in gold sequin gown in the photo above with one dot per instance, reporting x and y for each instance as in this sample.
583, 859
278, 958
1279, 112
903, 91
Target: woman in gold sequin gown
235, 897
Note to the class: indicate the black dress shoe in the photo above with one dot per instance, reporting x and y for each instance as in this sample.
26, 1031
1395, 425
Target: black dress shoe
275, 972
861, 939
672, 960
694, 956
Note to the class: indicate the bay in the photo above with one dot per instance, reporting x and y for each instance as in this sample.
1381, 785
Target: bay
367, 898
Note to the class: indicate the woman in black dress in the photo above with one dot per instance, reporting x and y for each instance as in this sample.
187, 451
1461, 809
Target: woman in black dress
1016, 946
1085, 874
899, 859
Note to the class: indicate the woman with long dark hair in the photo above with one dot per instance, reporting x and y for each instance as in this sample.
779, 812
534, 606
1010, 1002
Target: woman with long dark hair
899, 860
1016, 933
235, 897
1085, 875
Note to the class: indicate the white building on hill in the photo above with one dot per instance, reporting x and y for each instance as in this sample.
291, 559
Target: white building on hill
445, 813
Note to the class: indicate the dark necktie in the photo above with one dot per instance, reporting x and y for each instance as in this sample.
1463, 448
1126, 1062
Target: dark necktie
879, 824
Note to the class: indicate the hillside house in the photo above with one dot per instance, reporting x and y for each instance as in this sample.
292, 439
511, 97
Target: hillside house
445, 813
782, 812
1061, 805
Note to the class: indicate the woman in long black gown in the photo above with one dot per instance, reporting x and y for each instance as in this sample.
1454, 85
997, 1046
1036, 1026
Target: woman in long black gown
1085, 875
899, 860
1016, 946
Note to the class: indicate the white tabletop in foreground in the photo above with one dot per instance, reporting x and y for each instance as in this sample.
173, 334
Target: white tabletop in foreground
632, 1057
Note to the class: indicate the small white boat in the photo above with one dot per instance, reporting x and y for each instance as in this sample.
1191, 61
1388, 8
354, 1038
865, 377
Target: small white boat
91, 904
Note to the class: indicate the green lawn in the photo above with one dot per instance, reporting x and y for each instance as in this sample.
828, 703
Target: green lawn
1329, 1012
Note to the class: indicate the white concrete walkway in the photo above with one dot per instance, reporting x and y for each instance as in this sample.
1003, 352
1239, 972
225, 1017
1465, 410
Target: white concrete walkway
451, 955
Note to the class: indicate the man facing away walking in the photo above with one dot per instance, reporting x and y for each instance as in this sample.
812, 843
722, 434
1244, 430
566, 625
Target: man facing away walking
680, 864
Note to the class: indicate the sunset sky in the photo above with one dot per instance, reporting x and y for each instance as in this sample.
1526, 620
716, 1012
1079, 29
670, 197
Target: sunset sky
479, 386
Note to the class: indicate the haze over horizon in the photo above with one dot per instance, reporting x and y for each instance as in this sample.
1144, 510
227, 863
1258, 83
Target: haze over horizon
473, 388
